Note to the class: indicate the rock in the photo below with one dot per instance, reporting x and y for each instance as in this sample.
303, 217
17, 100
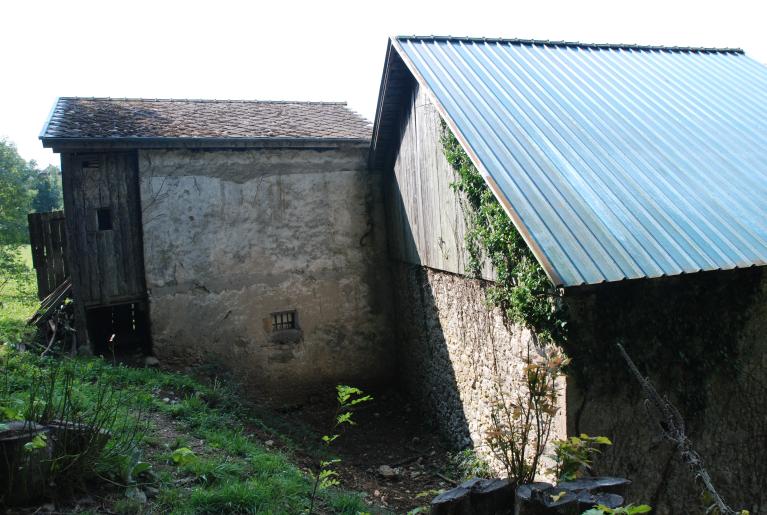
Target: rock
387, 472
588, 500
612, 485
470, 483
151, 361
49, 507
165, 399
151, 491
136, 494
269, 443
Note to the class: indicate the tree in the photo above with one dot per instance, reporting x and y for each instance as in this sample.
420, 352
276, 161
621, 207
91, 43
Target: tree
15, 194
48, 186
15, 202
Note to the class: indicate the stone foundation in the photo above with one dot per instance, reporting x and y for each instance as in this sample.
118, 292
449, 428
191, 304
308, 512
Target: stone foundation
454, 353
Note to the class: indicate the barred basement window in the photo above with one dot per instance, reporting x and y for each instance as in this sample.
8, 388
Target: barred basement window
283, 320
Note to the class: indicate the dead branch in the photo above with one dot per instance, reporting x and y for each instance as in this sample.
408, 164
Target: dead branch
672, 427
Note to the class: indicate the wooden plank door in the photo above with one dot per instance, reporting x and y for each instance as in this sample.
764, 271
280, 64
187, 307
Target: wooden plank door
102, 205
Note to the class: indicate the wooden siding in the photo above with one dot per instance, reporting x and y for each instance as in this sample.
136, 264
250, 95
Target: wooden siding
426, 221
106, 265
48, 238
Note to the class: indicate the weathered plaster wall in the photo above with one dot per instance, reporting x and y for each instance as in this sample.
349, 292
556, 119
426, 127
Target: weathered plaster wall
232, 236
454, 352
702, 340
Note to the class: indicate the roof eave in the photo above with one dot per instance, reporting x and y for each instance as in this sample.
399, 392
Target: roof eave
47, 123
379, 105
61, 144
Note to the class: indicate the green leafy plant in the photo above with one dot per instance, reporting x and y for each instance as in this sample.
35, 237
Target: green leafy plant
574, 455
467, 464
183, 456
631, 509
521, 289
347, 398
521, 418
40, 441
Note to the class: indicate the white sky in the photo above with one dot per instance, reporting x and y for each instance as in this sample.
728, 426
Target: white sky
295, 50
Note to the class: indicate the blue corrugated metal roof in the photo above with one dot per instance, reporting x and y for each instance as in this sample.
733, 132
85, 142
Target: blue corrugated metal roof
615, 162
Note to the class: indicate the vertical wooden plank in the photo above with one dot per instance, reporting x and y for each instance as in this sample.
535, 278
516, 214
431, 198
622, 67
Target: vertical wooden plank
70, 170
432, 223
38, 259
117, 176
47, 252
90, 252
134, 232
57, 256
105, 244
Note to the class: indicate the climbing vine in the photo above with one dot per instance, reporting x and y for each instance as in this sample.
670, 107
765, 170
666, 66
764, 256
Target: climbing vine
522, 290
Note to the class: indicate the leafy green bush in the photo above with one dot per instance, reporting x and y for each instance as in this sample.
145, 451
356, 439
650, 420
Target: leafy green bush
467, 464
573, 456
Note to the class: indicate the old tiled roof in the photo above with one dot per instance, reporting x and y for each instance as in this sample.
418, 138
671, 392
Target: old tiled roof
115, 119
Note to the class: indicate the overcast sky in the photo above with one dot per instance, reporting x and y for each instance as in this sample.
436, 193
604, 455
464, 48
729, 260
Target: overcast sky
286, 50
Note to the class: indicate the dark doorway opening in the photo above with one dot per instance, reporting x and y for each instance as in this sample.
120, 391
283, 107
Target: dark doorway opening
120, 332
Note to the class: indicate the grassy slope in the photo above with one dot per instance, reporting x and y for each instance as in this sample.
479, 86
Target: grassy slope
230, 472
18, 301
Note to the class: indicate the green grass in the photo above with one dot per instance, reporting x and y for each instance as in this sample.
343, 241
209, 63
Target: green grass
18, 301
232, 472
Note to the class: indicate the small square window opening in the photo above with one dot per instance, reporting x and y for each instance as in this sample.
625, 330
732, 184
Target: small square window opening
283, 320
104, 215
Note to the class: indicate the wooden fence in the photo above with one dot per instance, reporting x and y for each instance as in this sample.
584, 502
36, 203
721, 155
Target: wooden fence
48, 236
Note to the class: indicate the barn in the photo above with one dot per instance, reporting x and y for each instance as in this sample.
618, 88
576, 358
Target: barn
637, 178
244, 234
295, 245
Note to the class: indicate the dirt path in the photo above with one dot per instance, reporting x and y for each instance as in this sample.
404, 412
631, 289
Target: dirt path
389, 432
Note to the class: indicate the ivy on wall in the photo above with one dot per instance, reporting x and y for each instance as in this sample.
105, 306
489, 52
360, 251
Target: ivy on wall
522, 290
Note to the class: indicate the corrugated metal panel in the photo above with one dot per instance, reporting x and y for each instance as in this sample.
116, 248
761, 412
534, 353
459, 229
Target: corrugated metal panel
615, 162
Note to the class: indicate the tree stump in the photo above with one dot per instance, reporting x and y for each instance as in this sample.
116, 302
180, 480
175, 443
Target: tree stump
453, 502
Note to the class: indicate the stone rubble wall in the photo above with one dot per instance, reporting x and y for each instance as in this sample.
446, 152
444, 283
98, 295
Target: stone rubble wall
454, 353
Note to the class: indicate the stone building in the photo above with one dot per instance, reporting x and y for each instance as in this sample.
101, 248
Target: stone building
291, 244
638, 178
245, 234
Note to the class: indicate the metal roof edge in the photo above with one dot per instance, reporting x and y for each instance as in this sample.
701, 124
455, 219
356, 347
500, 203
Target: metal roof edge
537, 251
577, 44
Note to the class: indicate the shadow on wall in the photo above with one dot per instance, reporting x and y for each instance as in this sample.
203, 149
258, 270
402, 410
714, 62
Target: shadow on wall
701, 339
423, 358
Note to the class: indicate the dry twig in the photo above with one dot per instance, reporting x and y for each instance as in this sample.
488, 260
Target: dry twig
672, 427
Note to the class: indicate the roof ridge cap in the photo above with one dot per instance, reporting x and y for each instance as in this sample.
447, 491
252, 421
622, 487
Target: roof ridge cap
205, 100
578, 44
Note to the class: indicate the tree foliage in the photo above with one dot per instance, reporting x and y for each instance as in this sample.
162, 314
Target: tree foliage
23, 188
47, 184
16, 194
